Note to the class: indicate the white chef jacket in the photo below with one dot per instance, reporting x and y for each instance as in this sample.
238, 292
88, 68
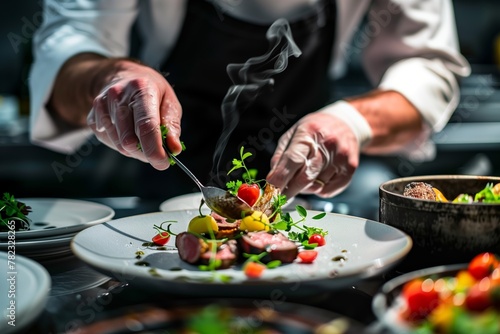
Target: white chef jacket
409, 46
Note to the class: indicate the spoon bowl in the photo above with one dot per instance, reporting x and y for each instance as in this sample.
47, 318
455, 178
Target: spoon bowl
218, 200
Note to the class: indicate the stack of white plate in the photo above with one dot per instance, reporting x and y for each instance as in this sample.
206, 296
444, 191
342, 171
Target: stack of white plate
54, 223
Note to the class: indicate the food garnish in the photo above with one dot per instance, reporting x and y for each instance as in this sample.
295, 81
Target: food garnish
248, 189
308, 256
164, 131
162, 236
317, 239
287, 223
12, 210
467, 302
254, 269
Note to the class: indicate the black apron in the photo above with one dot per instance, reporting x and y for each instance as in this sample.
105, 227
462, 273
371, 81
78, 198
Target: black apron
196, 68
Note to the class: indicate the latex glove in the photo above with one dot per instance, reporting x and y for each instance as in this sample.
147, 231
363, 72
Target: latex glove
320, 153
130, 109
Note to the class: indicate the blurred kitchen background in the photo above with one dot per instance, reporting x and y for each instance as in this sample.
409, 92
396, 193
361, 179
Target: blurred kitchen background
470, 144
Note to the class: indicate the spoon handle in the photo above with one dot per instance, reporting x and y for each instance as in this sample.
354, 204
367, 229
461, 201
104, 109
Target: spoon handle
186, 170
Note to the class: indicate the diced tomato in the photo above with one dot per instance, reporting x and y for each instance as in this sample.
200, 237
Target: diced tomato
161, 238
317, 239
421, 298
254, 269
482, 265
249, 193
307, 256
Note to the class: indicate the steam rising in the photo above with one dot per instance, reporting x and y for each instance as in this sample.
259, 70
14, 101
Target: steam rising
247, 85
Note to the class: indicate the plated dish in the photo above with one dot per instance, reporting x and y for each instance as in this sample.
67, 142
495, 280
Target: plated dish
55, 216
229, 316
458, 299
28, 284
355, 248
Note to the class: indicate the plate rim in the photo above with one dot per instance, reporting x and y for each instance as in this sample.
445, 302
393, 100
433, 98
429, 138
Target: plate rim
38, 297
33, 234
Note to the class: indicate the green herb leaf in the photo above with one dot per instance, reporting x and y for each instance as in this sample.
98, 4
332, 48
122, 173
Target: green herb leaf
301, 210
12, 209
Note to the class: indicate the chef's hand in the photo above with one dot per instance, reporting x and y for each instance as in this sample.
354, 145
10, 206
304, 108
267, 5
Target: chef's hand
129, 110
319, 154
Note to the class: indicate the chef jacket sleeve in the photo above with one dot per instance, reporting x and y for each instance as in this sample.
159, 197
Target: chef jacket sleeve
71, 27
413, 49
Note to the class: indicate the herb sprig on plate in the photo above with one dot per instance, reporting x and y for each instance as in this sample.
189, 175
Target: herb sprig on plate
13, 210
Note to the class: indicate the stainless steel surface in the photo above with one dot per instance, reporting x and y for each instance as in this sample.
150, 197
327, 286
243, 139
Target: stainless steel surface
217, 199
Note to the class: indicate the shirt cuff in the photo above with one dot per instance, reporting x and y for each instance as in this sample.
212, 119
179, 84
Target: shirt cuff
44, 129
428, 85
353, 118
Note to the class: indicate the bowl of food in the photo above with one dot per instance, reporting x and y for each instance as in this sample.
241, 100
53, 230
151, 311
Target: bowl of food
459, 298
449, 217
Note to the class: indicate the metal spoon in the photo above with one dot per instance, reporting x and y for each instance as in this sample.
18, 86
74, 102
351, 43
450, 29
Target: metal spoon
219, 200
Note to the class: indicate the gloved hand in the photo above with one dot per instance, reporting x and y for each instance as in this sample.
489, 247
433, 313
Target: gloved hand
320, 153
130, 109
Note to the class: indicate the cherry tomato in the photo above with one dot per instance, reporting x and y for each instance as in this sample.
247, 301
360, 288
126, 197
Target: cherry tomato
249, 193
478, 297
421, 298
307, 256
161, 238
482, 265
254, 269
317, 239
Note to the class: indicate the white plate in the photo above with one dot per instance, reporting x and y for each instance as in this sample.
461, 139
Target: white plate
370, 248
32, 285
54, 216
182, 202
40, 246
43, 248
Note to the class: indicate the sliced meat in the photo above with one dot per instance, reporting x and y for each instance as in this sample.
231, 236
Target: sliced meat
190, 247
227, 229
227, 253
421, 190
276, 244
265, 202
195, 250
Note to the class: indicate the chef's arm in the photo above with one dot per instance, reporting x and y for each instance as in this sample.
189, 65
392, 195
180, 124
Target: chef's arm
393, 120
77, 84
415, 64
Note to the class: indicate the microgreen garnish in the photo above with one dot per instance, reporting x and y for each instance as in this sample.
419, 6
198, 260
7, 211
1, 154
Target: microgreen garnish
12, 209
249, 175
161, 229
258, 257
278, 203
164, 131
287, 223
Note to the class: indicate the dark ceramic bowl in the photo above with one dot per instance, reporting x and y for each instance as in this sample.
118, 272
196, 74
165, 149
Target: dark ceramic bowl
442, 233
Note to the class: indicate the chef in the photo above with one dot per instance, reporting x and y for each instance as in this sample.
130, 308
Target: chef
251, 73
